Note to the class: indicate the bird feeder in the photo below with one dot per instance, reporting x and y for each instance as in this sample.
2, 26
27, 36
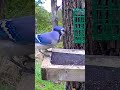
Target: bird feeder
79, 25
64, 65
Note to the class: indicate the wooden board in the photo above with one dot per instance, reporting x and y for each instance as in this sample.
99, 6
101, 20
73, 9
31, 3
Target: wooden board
97, 60
62, 72
75, 72
100, 60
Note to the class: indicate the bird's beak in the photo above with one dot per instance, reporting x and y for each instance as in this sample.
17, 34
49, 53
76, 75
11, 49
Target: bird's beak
63, 32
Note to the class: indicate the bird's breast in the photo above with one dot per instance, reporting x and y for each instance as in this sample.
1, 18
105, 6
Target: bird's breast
54, 42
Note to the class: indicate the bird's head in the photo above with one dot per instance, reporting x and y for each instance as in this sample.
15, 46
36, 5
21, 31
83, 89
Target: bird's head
59, 29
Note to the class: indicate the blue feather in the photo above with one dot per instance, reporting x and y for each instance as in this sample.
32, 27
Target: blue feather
19, 30
42, 39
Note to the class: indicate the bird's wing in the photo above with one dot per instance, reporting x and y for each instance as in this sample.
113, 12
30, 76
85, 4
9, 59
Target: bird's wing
44, 39
20, 30
17, 36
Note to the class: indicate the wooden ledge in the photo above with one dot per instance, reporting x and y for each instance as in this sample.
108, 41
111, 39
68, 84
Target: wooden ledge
100, 60
70, 51
62, 72
75, 72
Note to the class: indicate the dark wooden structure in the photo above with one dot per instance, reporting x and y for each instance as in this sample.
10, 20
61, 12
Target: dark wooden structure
102, 47
106, 74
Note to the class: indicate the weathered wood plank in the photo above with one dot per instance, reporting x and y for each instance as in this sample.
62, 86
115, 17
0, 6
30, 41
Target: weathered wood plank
99, 60
62, 72
70, 51
75, 72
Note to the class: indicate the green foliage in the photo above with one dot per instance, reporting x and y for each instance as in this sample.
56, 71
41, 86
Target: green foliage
18, 8
43, 19
60, 45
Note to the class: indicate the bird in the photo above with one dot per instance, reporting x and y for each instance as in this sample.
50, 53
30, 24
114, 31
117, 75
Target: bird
48, 40
17, 38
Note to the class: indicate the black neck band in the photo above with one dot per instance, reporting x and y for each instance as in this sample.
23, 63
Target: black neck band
59, 34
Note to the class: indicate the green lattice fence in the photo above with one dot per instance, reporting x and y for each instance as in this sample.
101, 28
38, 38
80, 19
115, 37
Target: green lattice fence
79, 25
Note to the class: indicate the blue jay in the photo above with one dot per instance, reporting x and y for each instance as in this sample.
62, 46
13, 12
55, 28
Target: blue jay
49, 39
17, 37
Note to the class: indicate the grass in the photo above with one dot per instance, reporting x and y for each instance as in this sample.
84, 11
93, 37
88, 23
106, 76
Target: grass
59, 45
45, 85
